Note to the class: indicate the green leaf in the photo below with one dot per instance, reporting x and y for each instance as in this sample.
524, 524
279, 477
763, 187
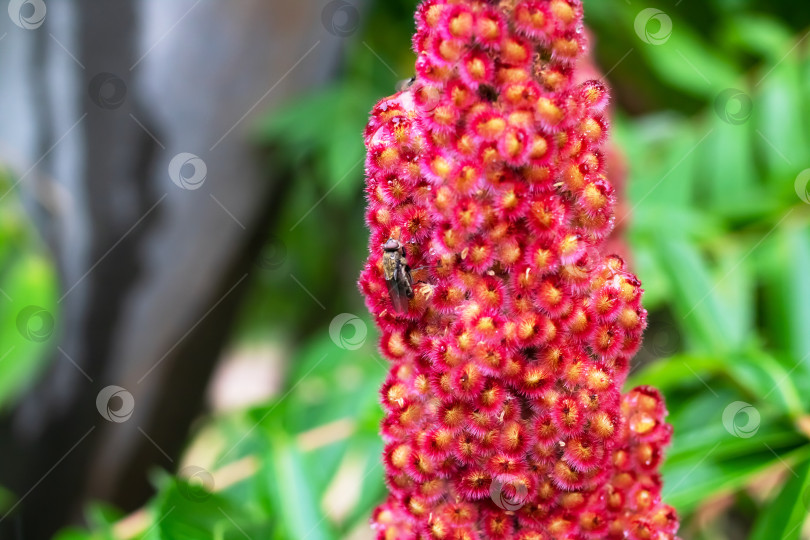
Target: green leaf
345, 150
677, 371
765, 378
685, 61
758, 33
372, 489
289, 486
102, 518
783, 268
780, 139
704, 318
784, 517
7, 499
75, 534
28, 323
186, 511
729, 185
757, 374
687, 484
292, 125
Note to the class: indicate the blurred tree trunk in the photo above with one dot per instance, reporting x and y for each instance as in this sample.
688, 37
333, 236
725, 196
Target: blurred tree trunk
96, 102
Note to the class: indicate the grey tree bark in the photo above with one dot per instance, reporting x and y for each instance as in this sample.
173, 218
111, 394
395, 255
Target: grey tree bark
95, 103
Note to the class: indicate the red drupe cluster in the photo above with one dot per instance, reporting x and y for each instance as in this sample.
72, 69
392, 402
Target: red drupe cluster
504, 416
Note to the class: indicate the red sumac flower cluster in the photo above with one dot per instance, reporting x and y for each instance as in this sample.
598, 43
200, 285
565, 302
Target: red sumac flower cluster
504, 416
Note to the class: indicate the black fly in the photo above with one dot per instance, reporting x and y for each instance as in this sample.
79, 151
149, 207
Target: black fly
397, 274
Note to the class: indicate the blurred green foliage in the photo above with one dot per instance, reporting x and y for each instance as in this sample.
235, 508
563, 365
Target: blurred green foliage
714, 125
27, 300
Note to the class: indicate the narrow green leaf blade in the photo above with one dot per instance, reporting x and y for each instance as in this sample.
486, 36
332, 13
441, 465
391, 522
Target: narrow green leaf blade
783, 518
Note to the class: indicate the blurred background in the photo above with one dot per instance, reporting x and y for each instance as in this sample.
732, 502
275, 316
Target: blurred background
183, 350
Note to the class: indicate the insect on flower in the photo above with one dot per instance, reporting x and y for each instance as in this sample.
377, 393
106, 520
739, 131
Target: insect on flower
405, 84
397, 274
508, 358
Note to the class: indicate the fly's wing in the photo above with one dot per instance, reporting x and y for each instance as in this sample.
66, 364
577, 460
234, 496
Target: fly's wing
404, 85
405, 279
398, 294
392, 272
